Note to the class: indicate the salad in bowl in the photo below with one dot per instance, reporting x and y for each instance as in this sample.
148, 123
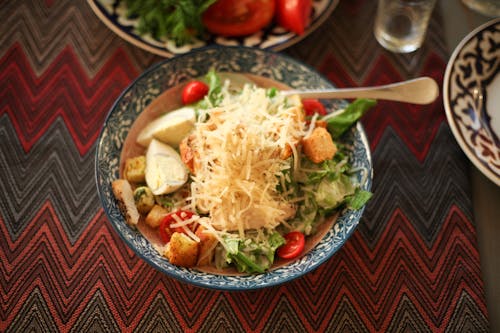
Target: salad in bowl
223, 176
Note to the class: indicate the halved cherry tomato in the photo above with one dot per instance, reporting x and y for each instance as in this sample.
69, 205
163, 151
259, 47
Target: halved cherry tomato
295, 242
294, 15
312, 106
193, 92
238, 17
166, 231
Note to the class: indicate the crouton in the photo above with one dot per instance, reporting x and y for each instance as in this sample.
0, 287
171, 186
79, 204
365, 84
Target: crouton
156, 215
125, 197
182, 250
144, 199
320, 123
135, 169
207, 246
286, 152
319, 146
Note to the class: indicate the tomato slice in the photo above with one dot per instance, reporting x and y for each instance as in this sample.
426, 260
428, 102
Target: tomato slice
295, 242
194, 91
294, 15
234, 18
166, 231
312, 106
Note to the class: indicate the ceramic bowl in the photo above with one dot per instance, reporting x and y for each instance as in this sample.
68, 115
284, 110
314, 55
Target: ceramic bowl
175, 71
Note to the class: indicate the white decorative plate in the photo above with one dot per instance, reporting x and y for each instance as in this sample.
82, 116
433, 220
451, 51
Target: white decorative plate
112, 13
471, 92
177, 70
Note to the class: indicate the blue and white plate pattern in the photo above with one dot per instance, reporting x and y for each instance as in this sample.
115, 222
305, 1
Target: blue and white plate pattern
471, 92
177, 70
112, 14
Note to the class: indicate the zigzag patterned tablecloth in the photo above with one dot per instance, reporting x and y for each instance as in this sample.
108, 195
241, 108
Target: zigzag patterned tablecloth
412, 264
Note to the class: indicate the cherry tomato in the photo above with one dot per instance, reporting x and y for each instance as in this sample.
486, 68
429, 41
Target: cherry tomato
312, 106
238, 17
166, 231
193, 92
294, 15
295, 242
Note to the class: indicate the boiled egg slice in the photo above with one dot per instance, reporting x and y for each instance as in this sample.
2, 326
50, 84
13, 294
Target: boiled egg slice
169, 128
165, 171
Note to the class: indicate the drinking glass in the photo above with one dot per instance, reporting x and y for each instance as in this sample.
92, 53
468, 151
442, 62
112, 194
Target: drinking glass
401, 25
485, 7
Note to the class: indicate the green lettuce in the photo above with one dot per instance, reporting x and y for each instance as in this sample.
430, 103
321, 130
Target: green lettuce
251, 256
339, 124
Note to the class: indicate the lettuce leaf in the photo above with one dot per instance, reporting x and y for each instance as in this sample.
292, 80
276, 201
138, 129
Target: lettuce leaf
250, 255
339, 124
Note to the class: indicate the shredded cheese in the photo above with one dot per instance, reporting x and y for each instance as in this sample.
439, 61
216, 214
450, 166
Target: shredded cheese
241, 151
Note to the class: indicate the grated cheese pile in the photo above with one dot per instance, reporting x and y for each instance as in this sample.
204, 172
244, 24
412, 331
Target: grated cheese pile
242, 149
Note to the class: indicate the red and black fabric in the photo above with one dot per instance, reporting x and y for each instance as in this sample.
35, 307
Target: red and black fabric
412, 265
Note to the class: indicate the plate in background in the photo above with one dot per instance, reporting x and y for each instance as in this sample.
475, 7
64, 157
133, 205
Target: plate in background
471, 92
112, 14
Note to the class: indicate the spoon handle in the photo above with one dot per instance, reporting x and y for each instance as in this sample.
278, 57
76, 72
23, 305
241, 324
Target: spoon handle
423, 90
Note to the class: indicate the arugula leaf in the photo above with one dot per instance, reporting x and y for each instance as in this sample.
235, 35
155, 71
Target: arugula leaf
179, 20
340, 123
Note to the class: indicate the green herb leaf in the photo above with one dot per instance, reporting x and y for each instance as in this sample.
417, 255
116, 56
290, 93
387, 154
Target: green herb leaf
271, 92
251, 256
215, 87
359, 199
340, 123
179, 20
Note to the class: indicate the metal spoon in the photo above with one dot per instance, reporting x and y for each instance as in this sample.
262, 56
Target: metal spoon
479, 108
423, 90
